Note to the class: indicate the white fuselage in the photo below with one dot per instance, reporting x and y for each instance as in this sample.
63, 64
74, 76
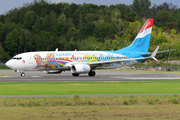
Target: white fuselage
63, 60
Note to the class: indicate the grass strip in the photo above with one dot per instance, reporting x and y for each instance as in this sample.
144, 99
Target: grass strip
121, 112
89, 101
85, 88
4, 67
81, 108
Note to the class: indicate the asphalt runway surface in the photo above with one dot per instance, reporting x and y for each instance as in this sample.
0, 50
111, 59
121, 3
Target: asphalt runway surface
34, 76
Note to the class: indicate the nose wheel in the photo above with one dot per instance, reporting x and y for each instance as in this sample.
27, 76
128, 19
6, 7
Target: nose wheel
22, 74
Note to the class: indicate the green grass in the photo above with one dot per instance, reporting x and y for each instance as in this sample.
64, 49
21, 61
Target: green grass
89, 101
84, 88
116, 112
4, 67
6, 75
82, 108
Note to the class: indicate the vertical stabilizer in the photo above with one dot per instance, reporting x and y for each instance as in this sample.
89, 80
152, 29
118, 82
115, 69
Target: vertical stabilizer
141, 42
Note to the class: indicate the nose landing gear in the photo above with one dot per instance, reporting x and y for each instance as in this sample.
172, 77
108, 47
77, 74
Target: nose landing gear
22, 74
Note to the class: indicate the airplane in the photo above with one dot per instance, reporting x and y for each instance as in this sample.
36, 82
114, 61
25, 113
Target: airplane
86, 62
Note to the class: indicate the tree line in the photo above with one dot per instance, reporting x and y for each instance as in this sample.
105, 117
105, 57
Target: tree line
43, 26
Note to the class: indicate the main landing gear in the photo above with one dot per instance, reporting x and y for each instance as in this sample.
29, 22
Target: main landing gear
75, 74
92, 73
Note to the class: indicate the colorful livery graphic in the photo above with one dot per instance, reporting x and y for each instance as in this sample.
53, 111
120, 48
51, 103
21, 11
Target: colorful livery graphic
81, 62
49, 62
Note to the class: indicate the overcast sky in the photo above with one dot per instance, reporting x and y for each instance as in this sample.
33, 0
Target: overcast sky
6, 5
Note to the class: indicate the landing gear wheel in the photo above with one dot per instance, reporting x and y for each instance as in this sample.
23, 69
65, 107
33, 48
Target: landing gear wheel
91, 73
75, 74
22, 74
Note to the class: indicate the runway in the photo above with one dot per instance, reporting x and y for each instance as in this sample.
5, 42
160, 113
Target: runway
33, 76
36, 76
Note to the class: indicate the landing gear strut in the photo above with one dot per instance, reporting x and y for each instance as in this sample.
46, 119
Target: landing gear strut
92, 73
22, 74
75, 74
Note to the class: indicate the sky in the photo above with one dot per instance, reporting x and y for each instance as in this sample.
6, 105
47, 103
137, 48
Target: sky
6, 5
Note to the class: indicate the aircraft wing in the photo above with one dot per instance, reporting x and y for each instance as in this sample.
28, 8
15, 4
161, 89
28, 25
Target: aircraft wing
145, 54
115, 61
123, 60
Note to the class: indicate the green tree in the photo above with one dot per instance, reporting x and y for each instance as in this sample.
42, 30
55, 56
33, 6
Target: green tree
60, 29
1, 31
44, 35
12, 42
88, 29
3, 55
62, 18
67, 9
177, 19
117, 21
132, 30
90, 17
49, 22
73, 33
141, 5
103, 30
5, 29
161, 17
25, 36
38, 24
173, 31
29, 19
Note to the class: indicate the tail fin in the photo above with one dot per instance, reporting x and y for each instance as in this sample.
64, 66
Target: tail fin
141, 42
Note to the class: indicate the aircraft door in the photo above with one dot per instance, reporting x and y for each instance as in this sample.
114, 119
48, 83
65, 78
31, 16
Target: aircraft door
30, 59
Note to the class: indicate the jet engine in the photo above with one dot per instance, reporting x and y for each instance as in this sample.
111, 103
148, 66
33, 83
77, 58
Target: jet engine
80, 68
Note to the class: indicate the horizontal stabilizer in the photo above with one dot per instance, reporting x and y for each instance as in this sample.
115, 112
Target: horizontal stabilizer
145, 54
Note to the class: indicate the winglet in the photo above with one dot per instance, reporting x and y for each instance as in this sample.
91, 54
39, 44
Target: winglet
154, 53
56, 49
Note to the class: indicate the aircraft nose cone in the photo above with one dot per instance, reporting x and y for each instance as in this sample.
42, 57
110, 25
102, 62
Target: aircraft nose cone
9, 64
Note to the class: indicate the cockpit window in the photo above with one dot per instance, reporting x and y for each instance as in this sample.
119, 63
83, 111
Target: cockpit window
17, 58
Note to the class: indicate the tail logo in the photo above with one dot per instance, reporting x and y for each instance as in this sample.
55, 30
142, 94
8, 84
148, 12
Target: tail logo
147, 25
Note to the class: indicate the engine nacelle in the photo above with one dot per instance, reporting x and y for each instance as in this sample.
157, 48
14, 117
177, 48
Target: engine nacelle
53, 71
80, 68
